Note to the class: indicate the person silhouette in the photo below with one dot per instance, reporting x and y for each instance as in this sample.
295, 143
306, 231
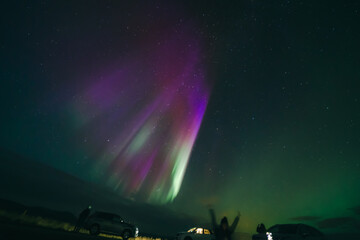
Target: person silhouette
82, 217
261, 228
223, 231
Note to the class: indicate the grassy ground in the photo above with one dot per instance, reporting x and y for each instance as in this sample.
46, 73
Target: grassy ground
26, 219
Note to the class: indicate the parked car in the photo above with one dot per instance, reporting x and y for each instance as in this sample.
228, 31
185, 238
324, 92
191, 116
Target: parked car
102, 222
290, 232
196, 233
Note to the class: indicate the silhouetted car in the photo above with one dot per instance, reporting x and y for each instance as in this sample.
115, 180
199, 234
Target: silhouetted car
290, 232
196, 233
102, 222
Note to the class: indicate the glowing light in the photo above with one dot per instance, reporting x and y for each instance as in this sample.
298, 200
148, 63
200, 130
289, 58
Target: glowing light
136, 232
269, 236
141, 121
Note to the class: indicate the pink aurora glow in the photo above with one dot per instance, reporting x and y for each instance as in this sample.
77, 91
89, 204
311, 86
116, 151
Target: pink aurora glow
142, 120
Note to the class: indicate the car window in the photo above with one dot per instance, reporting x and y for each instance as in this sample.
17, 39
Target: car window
315, 232
284, 229
106, 216
117, 219
310, 230
199, 231
97, 215
191, 230
206, 231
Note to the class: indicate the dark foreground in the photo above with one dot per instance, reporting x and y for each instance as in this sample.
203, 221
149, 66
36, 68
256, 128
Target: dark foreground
9, 231
13, 231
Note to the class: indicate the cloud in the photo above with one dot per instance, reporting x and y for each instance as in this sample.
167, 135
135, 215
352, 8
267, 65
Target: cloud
305, 218
339, 222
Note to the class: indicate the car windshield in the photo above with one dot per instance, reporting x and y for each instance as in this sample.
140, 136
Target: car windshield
191, 229
199, 231
117, 218
105, 215
284, 229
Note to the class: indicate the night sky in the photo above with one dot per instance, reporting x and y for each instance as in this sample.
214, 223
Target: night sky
245, 105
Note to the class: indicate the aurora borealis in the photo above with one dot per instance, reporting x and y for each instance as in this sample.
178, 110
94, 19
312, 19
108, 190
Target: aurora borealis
250, 106
149, 112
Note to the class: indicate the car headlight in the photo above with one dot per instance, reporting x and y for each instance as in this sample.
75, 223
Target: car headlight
136, 231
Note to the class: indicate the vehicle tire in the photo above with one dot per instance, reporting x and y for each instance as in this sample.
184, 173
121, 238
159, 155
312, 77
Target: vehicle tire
94, 229
188, 238
126, 234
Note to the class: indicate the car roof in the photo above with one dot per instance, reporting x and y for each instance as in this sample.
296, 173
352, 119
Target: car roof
300, 226
106, 213
294, 224
200, 227
289, 224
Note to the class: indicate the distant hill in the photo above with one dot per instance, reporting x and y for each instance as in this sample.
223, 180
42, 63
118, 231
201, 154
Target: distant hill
15, 207
35, 184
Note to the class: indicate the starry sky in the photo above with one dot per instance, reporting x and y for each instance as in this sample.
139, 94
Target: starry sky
247, 105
